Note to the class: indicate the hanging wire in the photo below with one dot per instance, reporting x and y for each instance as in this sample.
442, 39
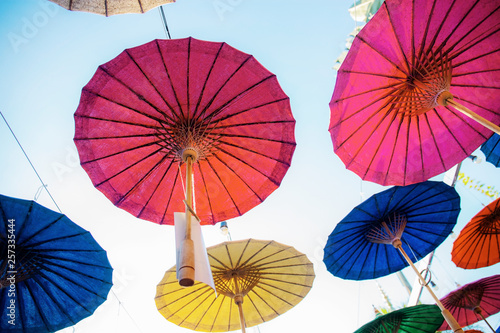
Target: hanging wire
37, 194
164, 20
32, 166
125, 309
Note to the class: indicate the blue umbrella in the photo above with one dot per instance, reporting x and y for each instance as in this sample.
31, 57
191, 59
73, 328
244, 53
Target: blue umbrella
52, 272
374, 238
423, 215
491, 150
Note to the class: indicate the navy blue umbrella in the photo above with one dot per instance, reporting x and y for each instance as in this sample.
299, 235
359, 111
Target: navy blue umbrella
374, 238
52, 272
491, 150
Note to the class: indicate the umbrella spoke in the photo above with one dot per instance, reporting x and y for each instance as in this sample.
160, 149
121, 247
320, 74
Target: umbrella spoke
176, 97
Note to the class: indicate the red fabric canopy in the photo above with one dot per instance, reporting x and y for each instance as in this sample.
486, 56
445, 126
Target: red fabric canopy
142, 109
386, 124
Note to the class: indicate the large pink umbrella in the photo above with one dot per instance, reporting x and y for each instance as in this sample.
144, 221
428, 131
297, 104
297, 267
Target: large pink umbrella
419, 90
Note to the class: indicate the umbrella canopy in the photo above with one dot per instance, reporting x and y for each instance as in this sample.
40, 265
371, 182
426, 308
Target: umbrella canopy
423, 215
52, 272
111, 7
391, 121
478, 244
257, 280
143, 112
414, 319
474, 301
491, 150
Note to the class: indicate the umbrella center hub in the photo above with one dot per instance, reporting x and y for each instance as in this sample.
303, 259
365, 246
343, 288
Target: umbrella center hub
490, 224
196, 136
426, 87
236, 283
388, 230
26, 265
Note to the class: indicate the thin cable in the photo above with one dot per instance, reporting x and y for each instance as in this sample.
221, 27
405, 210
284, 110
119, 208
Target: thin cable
32, 166
125, 309
164, 20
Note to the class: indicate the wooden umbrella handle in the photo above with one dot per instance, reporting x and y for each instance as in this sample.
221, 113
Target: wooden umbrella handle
446, 314
446, 98
186, 259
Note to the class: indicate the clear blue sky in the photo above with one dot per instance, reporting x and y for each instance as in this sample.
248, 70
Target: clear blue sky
47, 54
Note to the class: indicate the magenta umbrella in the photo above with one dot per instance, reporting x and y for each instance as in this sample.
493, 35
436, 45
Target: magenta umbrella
419, 90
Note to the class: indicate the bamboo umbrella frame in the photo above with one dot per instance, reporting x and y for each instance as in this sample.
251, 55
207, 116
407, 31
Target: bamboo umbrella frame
393, 237
429, 87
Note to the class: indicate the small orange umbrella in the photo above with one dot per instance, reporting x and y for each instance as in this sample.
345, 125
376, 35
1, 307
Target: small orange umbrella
478, 244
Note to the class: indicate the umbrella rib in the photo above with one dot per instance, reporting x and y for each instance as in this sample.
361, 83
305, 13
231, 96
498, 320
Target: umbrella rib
116, 137
251, 124
215, 95
434, 136
253, 151
154, 87
228, 116
171, 84
382, 55
139, 96
205, 187
239, 177
263, 280
368, 118
265, 302
144, 177
434, 39
79, 285
426, 33
387, 76
456, 65
251, 166
188, 65
159, 120
118, 121
256, 308
40, 231
202, 92
477, 72
149, 144
127, 168
247, 90
393, 30
37, 306
484, 35
45, 254
248, 261
235, 205
374, 129
156, 189
479, 106
264, 265
464, 49
51, 263
56, 301
283, 289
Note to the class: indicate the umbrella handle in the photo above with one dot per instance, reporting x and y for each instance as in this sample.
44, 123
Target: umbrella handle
446, 314
478, 311
446, 98
186, 260
242, 317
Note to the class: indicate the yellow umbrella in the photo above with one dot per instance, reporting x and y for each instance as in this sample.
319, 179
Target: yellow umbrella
255, 281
